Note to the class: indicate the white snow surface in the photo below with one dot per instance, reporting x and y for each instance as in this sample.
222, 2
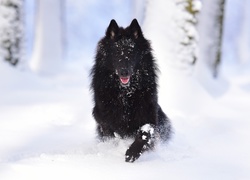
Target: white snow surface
47, 130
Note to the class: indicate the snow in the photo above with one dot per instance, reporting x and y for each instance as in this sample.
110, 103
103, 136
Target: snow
47, 130
197, 5
147, 128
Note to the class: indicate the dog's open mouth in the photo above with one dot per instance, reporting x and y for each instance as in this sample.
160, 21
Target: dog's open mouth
125, 80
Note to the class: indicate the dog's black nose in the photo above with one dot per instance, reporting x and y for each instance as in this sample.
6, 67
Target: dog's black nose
124, 72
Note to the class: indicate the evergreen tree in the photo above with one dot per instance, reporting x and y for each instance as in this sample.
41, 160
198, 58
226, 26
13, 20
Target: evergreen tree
11, 30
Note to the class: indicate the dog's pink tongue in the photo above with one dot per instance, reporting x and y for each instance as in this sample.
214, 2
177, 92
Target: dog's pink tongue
124, 80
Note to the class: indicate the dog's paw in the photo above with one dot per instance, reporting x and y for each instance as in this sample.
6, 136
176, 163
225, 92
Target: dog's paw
143, 142
135, 151
140, 145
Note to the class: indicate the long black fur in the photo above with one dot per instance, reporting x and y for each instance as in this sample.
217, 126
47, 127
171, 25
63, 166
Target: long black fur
127, 109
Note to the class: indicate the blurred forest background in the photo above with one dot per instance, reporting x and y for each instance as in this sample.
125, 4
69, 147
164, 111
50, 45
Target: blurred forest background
43, 34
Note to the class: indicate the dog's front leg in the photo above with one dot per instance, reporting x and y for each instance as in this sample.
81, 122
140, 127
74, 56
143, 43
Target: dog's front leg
144, 140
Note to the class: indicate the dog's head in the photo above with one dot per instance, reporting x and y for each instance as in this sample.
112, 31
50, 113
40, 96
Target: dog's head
124, 52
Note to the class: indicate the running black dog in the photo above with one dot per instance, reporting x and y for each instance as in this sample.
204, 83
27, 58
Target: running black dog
124, 84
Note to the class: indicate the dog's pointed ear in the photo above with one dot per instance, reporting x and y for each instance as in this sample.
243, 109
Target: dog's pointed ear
135, 29
112, 29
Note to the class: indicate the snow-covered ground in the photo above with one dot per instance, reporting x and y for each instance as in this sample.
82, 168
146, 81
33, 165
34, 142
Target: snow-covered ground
47, 130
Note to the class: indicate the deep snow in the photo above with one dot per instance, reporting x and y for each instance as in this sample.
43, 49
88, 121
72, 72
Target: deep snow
47, 130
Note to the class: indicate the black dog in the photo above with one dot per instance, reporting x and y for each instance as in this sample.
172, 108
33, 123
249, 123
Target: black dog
125, 90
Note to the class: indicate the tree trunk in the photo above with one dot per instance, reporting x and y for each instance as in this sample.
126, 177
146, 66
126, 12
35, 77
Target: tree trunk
220, 19
139, 7
244, 37
48, 46
188, 27
211, 34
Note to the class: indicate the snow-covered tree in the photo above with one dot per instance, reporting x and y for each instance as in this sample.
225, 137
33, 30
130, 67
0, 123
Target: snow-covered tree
188, 30
176, 39
48, 46
211, 34
139, 10
244, 37
11, 30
